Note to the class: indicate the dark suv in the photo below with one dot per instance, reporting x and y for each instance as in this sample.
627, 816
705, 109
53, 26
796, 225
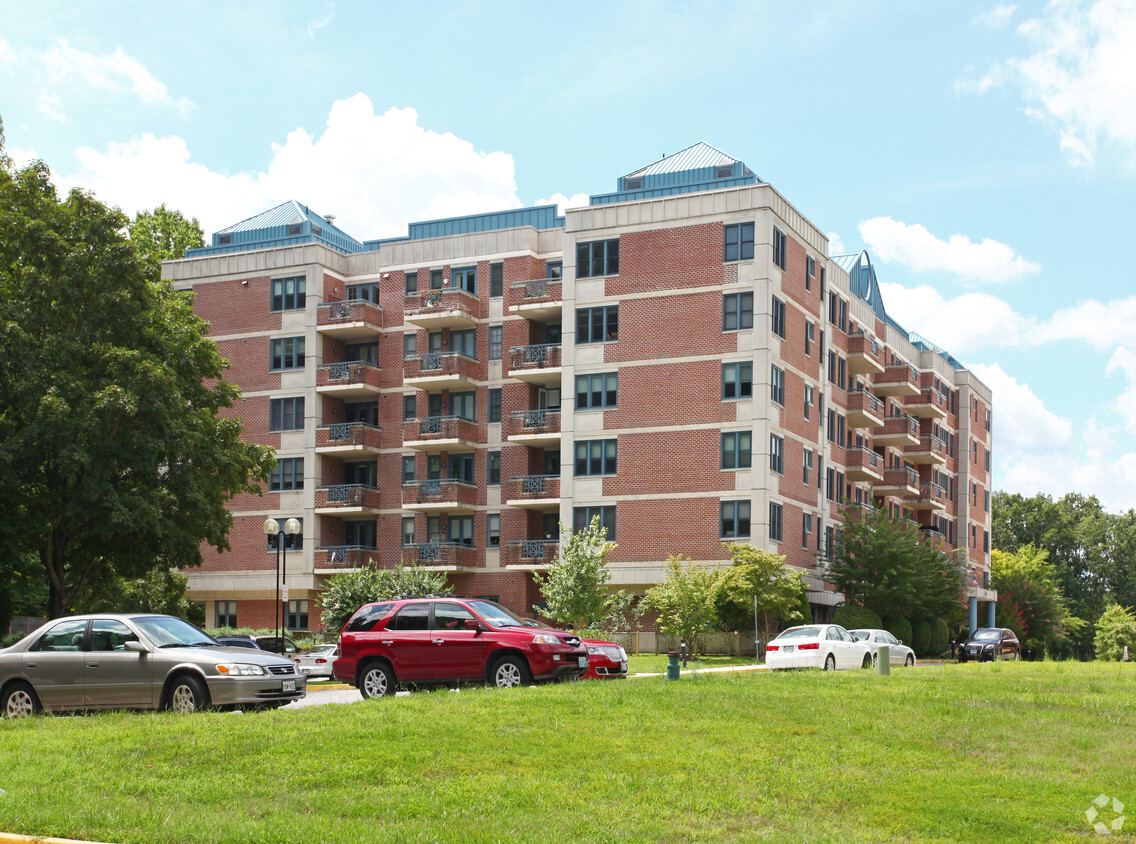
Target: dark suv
990, 643
436, 641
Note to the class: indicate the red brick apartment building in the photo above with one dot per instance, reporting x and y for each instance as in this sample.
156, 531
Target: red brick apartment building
680, 357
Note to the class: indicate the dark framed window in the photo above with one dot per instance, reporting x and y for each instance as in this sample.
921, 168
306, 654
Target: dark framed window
776, 454
464, 342
596, 457
411, 283
597, 258
810, 272
359, 534
806, 528
737, 311
409, 345
461, 468
495, 404
554, 270
777, 385
286, 414
597, 325
288, 353
407, 468
808, 401
496, 280
738, 242
464, 278
225, 613
810, 333
461, 529
437, 280
288, 475
780, 249
737, 381
368, 292
596, 390
288, 294
807, 462
492, 530
496, 341
776, 513
410, 406
363, 352
407, 530
737, 447
582, 517
778, 317
464, 405
735, 519
493, 468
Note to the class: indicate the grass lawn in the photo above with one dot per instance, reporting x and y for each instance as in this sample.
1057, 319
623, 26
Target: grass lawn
990, 753
657, 663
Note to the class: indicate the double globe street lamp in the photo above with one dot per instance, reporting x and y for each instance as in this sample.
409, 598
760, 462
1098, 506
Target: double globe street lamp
273, 528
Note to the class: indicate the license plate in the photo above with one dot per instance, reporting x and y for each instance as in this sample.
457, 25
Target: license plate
289, 686
789, 648
583, 661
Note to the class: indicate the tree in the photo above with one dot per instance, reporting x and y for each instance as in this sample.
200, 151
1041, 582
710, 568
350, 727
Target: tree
1029, 600
1116, 629
684, 602
575, 583
164, 234
891, 567
159, 590
113, 449
22, 588
758, 582
344, 593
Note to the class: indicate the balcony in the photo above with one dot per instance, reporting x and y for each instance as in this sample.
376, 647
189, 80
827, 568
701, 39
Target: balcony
439, 371
898, 481
538, 299
930, 449
533, 492
345, 438
863, 464
530, 554
897, 379
355, 321
439, 495
339, 557
347, 500
438, 309
864, 410
441, 556
350, 380
435, 434
929, 404
536, 364
864, 355
931, 497
537, 428
898, 430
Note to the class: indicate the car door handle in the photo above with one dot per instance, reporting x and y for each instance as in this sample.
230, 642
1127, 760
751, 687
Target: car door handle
29, 665
439, 641
92, 665
387, 642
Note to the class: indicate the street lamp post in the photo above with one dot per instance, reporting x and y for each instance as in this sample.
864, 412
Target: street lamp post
272, 527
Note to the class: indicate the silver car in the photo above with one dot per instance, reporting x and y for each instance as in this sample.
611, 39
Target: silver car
899, 653
138, 661
316, 661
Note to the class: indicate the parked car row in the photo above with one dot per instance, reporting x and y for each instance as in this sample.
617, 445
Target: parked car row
831, 647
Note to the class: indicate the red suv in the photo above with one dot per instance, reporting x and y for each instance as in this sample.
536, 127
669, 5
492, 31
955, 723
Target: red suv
433, 641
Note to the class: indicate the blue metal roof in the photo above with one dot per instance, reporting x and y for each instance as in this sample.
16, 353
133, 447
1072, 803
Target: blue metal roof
696, 168
270, 229
537, 216
697, 157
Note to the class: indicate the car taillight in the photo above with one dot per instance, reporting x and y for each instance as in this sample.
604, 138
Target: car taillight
772, 647
809, 646
319, 661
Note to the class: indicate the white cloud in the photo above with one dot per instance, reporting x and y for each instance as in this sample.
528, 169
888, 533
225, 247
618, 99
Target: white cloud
1100, 324
563, 203
316, 24
963, 325
1023, 424
996, 18
51, 106
1124, 361
835, 244
374, 172
1080, 77
915, 247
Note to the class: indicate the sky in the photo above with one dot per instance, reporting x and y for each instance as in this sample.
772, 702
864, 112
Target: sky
983, 153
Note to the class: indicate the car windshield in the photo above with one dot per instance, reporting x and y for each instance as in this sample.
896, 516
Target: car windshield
169, 632
987, 634
861, 635
495, 615
801, 633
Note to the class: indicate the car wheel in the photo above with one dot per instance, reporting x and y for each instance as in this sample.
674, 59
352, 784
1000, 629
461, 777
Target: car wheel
875, 660
509, 673
910, 661
830, 663
188, 694
377, 680
868, 661
20, 701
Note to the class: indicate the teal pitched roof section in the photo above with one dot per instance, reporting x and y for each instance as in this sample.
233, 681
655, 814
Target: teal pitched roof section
288, 224
537, 216
697, 168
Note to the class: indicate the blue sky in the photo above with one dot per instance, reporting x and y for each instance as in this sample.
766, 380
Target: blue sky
984, 153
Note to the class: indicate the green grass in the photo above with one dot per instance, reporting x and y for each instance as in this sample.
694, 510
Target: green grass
1005, 752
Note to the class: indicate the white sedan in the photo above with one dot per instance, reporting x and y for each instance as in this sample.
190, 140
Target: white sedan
316, 661
825, 646
900, 654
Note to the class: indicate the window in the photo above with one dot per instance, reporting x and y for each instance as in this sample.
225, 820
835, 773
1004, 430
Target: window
736, 449
464, 278
492, 530
633, 184
288, 475
595, 457
778, 317
737, 311
224, 239
776, 454
807, 460
777, 385
461, 468
739, 242
822, 299
407, 530
298, 615
810, 272
582, 517
830, 485
362, 352
411, 283
286, 414
987, 452
363, 292
737, 381
808, 400
806, 528
724, 171
493, 468
437, 282
986, 501
360, 472
496, 341
596, 391
554, 270
409, 345
986, 542
810, 334
461, 529
407, 468
775, 515
225, 614
735, 519
288, 353
598, 258
495, 404
464, 405
780, 249
987, 419
841, 373
410, 406
464, 342
496, 280
832, 367
288, 293
597, 325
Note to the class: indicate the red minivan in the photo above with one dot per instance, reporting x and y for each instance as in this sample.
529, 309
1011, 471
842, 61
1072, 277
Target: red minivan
447, 641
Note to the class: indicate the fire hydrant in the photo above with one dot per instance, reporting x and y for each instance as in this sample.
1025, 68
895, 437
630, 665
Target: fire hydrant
673, 666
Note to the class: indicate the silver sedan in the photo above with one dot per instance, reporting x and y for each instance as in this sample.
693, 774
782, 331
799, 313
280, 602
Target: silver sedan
138, 661
899, 653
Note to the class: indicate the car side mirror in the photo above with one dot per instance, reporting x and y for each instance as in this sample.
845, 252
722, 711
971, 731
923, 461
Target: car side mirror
135, 646
473, 624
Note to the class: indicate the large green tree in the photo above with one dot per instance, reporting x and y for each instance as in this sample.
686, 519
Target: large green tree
684, 602
115, 450
1030, 601
575, 584
164, 234
758, 582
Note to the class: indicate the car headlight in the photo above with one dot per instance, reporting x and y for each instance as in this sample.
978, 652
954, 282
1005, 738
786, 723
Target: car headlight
239, 669
546, 639
592, 649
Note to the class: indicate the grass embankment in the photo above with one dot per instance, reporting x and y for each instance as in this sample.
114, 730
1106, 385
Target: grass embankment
1011, 752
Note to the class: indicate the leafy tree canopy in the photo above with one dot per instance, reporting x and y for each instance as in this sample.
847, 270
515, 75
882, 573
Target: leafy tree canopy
758, 582
575, 584
1116, 629
344, 593
1030, 601
164, 234
685, 601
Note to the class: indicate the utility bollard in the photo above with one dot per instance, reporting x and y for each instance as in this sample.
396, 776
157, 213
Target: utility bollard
682, 648
672, 666
883, 660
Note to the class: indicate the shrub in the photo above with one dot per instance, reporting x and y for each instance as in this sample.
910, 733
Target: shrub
900, 628
806, 608
852, 617
1115, 628
920, 636
940, 637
